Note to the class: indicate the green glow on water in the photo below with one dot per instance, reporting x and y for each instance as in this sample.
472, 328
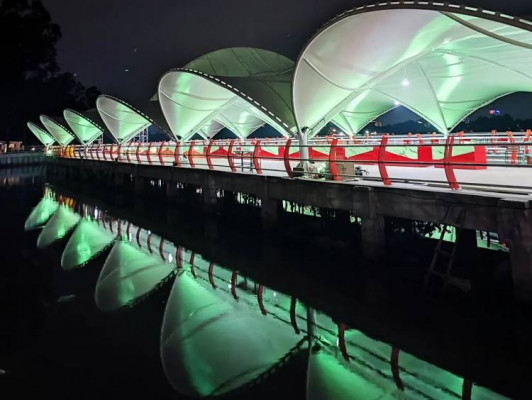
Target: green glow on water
41, 213
212, 344
128, 274
368, 369
87, 241
58, 226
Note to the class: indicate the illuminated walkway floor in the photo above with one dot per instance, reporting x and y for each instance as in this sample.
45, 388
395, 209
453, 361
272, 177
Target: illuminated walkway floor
508, 179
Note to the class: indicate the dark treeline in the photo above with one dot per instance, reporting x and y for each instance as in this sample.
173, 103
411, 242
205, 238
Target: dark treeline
31, 82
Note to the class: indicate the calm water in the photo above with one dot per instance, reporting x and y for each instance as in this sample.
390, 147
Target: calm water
106, 296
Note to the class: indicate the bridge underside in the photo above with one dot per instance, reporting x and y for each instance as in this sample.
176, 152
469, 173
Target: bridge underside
508, 215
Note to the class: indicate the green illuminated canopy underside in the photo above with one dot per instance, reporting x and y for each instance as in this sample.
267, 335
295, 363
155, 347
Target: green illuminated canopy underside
60, 133
439, 63
128, 274
58, 226
85, 130
238, 88
88, 240
44, 137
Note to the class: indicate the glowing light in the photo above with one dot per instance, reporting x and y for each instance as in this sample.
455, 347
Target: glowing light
405, 82
397, 103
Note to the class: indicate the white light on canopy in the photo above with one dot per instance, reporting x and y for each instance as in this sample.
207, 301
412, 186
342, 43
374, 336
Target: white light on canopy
241, 88
122, 120
85, 130
439, 61
210, 129
43, 136
59, 132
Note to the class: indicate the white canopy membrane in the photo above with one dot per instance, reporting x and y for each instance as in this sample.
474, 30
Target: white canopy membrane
122, 121
61, 223
42, 212
210, 129
212, 344
441, 62
128, 274
240, 88
42, 135
126, 121
87, 241
86, 129
57, 129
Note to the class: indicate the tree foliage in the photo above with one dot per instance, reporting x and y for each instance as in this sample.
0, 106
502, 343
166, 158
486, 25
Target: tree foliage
31, 82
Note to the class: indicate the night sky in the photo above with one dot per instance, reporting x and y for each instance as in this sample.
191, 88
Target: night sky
104, 38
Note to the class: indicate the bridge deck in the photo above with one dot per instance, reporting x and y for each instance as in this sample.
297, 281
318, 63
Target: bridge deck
509, 214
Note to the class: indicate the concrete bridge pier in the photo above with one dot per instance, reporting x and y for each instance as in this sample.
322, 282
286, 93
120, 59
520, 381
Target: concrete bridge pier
521, 262
269, 213
229, 197
373, 237
119, 179
210, 227
210, 197
171, 190
515, 228
138, 184
84, 175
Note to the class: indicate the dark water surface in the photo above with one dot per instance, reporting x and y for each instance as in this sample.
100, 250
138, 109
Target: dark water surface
114, 297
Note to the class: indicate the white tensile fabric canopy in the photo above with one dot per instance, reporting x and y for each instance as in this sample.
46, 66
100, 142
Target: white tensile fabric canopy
238, 88
126, 121
44, 137
122, 120
441, 61
57, 129
86, 129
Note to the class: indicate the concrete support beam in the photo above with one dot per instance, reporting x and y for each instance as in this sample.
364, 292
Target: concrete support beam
521, 263
229, 197
373, 237
209, 199
119, 179
269, 213
515, 228
139, 183
171, 190
210, 228
172, 217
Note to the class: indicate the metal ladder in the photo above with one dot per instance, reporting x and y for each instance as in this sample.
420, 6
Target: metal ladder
446, 276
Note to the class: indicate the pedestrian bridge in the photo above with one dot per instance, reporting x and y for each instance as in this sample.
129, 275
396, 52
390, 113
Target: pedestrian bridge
498, 162
479, 182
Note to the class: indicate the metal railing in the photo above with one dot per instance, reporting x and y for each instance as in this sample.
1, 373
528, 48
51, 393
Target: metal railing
492, 160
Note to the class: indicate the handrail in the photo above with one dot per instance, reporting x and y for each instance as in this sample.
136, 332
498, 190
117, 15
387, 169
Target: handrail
455, 161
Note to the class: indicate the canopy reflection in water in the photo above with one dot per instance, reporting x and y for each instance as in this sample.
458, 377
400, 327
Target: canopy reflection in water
41, 213
88, 240
58, 226
212, 344
129, 274
330, 378
368, 373
223, 332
